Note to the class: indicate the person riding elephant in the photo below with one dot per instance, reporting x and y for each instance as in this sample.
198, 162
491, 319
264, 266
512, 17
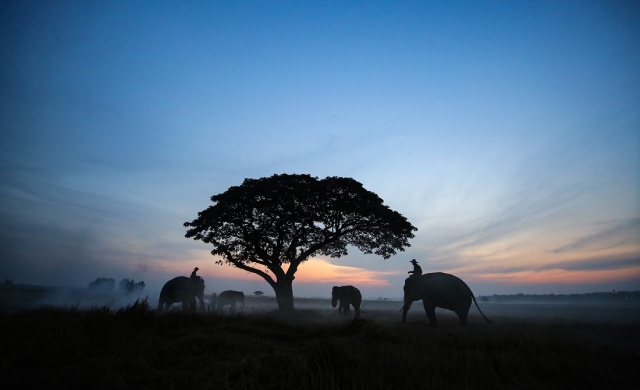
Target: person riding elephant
230, 298
347, 295
184, 290
442, 290
417, 270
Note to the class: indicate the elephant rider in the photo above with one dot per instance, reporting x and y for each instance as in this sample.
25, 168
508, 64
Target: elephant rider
417, 270
193, 274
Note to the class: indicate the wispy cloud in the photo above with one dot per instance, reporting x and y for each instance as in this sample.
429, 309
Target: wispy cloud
619, 233
596, 264
517, 217
562, 276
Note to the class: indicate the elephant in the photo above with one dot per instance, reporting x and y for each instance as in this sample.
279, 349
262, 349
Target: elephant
347, 295
438, 289
182, 289
230, 298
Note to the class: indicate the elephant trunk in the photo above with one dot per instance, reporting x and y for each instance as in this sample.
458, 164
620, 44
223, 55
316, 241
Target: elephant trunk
334, 301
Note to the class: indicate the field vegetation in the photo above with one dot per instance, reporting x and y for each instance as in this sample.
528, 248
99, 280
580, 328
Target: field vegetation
136, 347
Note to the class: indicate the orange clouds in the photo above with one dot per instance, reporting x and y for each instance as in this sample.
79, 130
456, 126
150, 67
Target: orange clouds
317, 270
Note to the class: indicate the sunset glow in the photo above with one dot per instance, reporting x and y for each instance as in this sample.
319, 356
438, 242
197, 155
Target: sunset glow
321, 271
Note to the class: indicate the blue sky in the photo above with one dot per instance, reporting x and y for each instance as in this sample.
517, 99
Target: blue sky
507, 132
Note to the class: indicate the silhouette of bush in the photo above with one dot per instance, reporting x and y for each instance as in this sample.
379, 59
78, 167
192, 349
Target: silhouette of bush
129, 286
104, 284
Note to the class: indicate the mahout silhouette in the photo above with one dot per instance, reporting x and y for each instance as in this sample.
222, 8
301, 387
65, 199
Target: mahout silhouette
417, 270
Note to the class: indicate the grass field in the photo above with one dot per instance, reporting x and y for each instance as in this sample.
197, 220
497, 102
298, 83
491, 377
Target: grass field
135, 347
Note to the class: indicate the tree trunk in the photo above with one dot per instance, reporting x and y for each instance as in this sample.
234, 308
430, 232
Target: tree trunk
284, 295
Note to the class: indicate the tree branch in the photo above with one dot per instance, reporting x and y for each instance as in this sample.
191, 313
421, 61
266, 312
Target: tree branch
256, 271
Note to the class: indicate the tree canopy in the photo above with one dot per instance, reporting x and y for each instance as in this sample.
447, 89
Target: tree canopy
267, 223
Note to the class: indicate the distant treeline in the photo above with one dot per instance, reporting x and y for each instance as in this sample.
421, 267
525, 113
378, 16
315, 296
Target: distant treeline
612, 296
100, 284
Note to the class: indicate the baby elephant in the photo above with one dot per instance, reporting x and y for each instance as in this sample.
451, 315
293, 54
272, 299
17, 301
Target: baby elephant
347, 295
230, 298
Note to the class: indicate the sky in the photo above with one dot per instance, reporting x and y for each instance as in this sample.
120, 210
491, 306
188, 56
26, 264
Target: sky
508, 133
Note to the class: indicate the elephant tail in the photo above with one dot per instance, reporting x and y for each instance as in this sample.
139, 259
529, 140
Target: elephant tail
474, 301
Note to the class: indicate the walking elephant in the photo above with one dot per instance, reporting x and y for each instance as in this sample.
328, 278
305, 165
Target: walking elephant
442, 290
182, 289
347, 295
230, 298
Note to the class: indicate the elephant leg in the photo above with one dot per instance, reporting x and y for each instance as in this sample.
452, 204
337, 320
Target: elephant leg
233, 307
430, 309
462, 316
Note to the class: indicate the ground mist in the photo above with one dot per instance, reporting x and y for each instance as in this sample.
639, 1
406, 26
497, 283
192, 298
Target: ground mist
138, 348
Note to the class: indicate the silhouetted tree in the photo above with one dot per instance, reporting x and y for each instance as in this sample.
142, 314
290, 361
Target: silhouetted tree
129, 285
107, 284
257, 293
267, 223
